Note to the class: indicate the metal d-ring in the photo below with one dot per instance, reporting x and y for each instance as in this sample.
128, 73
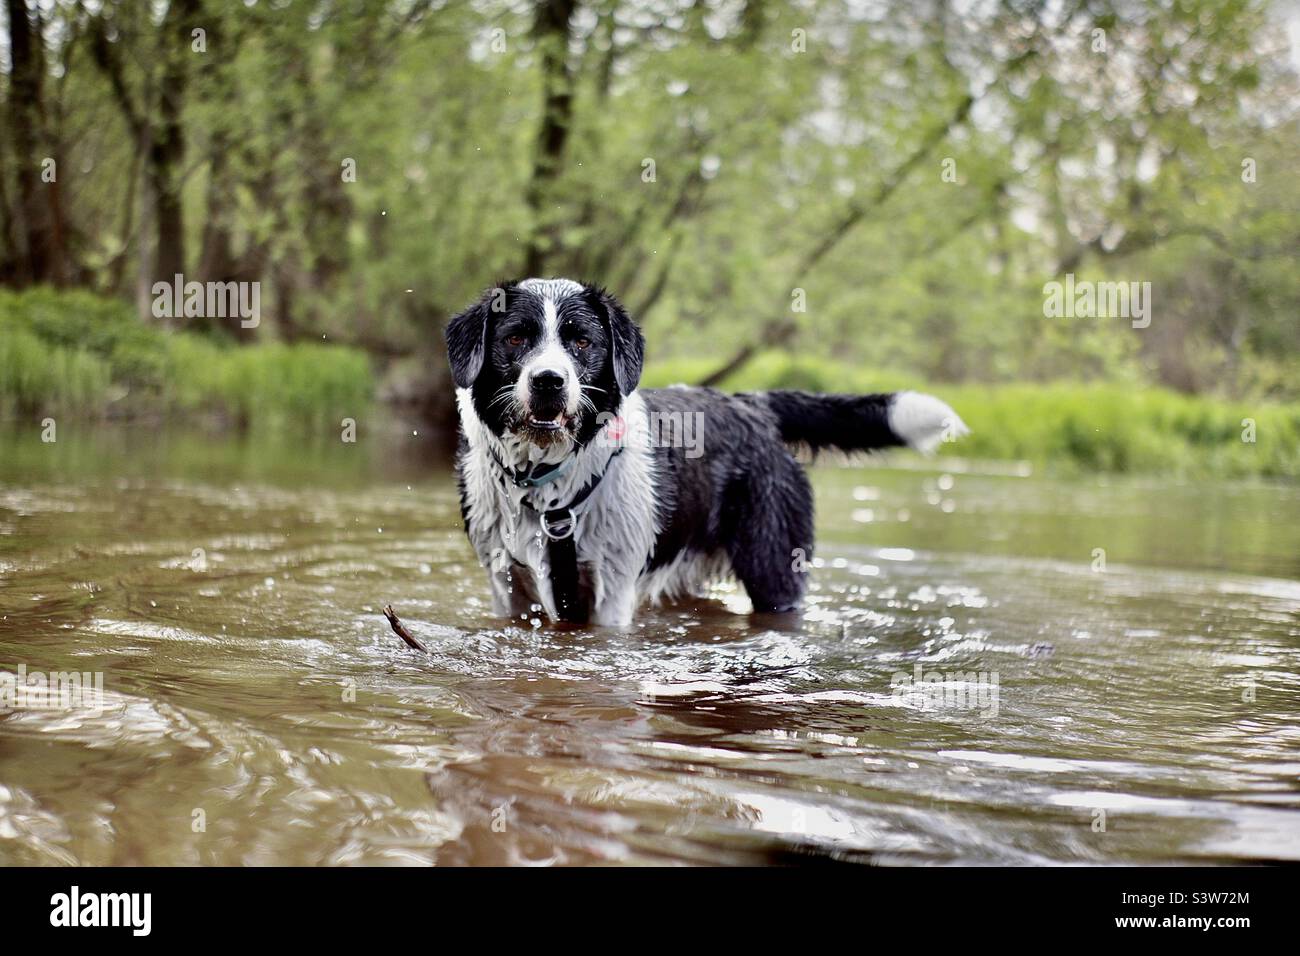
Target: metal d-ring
565, 531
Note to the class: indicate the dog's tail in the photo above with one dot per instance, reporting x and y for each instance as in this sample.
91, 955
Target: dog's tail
864, 422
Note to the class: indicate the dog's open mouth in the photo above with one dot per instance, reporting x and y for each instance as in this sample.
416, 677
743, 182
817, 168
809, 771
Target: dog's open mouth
545, 424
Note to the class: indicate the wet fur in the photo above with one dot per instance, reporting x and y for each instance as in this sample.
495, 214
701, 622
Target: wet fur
662, 522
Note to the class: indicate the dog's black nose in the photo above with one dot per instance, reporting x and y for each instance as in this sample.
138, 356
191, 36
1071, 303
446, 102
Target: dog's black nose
546, 381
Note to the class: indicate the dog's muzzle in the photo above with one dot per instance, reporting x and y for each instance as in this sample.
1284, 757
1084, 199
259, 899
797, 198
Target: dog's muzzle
547, 399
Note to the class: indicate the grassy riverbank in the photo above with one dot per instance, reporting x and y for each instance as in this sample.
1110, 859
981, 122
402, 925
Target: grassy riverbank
1098, 426
77, 355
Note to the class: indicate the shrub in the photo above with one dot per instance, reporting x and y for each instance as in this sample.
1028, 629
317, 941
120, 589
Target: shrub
77, 353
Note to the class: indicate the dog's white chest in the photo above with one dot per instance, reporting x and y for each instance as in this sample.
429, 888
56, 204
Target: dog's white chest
614, 527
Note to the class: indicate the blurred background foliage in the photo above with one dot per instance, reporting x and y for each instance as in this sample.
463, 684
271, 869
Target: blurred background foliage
704, 159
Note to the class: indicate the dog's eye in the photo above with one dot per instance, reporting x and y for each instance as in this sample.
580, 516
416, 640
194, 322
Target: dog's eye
514, 341
581, 343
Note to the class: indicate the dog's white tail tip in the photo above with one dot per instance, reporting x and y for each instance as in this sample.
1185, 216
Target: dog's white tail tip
923, 421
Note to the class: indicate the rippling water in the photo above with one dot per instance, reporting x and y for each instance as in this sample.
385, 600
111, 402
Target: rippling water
1108, 674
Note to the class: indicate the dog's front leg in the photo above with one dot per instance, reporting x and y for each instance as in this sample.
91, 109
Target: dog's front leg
503, 598
513, 594
617, 602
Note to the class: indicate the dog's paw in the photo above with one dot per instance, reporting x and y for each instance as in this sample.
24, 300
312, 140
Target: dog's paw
923, 421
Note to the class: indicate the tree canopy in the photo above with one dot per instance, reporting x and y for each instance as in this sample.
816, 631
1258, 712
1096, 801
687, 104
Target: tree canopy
884, 182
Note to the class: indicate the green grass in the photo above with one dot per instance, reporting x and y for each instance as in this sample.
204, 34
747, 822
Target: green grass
1066, 426
74, 353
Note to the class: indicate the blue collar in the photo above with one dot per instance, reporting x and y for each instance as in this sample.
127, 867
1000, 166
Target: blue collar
535, 475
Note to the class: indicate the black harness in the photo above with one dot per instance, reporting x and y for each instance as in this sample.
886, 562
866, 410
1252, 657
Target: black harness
558, 524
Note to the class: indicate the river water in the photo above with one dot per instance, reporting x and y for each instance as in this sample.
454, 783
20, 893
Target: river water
994, 666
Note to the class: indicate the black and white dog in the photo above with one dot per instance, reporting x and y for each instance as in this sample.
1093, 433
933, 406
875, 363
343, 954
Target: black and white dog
582, 497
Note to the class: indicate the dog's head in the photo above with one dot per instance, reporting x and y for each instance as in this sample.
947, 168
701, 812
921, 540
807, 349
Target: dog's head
544, 358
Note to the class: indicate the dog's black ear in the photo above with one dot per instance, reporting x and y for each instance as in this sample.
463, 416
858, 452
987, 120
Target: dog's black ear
467, 342
626, 343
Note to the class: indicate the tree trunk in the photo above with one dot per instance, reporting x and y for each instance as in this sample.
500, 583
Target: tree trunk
37, 259
551, 29
167, 145
217, 260
11, 253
